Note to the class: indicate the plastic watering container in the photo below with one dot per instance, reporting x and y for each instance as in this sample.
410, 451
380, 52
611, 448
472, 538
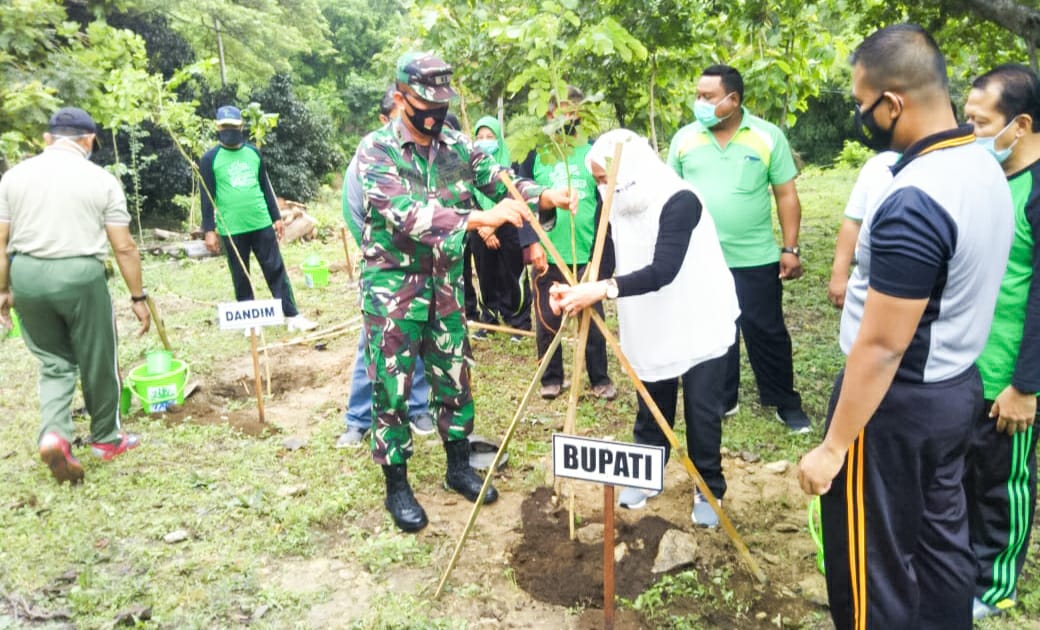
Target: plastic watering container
315, 271
158, 391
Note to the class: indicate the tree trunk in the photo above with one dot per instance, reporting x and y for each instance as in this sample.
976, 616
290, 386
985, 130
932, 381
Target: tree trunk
1017, 17
220, 53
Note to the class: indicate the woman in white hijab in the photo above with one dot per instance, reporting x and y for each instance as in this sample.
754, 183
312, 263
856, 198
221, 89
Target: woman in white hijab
676, 304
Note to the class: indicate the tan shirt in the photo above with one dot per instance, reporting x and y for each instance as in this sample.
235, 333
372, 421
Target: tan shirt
58, 204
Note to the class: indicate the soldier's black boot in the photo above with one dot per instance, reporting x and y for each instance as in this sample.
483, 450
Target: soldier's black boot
461, 477
408, 514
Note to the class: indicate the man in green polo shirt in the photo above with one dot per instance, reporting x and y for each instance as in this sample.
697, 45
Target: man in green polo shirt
734, 159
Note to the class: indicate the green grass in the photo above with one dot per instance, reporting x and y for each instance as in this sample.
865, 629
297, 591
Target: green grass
222, 487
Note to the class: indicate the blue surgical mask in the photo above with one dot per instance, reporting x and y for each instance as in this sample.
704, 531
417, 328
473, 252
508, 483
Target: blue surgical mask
990, 144
489, 146
705, 114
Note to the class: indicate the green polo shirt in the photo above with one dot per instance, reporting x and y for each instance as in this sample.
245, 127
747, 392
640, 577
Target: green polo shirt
735, 184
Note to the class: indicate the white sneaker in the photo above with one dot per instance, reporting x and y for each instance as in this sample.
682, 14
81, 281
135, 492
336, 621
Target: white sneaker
299, 323
635, 498
702, 514
732, 411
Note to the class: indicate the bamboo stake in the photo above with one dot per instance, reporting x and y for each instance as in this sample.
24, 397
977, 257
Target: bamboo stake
591, 274
727, 525
503, 329
498, 456
334, 331
256, 376
160, 327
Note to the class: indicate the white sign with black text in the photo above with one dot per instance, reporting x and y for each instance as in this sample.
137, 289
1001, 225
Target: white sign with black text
606, 462
252, 314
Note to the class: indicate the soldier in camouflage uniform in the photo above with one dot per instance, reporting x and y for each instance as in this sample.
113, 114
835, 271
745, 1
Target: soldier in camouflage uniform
416, 178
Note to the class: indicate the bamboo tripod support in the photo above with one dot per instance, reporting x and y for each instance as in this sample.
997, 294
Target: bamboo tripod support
727, 525
498, 456
591, 274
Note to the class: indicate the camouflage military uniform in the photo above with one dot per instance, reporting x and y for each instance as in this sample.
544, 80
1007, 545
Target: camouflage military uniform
416, 202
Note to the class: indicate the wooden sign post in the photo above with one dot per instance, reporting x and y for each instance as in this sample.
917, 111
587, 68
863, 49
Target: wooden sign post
612, 464
251, 316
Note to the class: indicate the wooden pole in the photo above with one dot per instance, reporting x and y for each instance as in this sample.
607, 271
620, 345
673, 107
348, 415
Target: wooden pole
501, 449
160, 327
256, 376
502, 329
727, 525
591, 274
338, 329
608, 557
346, 253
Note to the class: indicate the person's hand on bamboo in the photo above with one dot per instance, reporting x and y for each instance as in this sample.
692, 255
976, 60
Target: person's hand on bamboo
143, 315
561, 198
506, 211
572, 299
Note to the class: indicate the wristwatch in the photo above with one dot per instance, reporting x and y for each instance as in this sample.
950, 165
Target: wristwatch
612, 289
791, 250
139, 298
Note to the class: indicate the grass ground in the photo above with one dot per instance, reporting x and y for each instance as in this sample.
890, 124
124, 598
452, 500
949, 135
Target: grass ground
94, 554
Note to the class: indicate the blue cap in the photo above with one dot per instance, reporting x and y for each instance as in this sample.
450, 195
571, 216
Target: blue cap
72, 118
229, 115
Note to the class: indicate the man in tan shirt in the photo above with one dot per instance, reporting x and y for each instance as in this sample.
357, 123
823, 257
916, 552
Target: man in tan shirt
59, 213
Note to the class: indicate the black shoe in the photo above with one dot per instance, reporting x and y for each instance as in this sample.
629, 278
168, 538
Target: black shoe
480, 333
461, 477
795, 419
400, 502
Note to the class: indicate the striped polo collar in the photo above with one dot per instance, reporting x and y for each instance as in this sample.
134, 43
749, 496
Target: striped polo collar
958, 136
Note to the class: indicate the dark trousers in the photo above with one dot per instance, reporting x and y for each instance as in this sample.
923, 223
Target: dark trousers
761, 321
548, 324
702, 412
1000, 486
264, 245
895, 523
505, 289
474, 312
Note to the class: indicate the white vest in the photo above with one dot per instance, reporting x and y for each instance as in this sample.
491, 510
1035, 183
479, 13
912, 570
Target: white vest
687, 322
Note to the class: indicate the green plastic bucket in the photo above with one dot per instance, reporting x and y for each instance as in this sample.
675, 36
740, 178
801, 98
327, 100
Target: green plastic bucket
158, 391
16, 326
158, 362
315, 272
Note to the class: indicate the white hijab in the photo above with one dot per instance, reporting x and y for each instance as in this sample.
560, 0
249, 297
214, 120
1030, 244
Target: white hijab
690, 320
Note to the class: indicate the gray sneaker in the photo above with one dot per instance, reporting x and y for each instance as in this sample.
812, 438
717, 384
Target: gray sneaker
353, 437
635, 498
702, 513
981, 610
422, 423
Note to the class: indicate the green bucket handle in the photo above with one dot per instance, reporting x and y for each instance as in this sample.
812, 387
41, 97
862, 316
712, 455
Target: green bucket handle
816, 531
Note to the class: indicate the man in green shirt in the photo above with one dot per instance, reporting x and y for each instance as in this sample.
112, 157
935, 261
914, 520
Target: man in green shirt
734, 159
238, 204
557, 173
1000, 479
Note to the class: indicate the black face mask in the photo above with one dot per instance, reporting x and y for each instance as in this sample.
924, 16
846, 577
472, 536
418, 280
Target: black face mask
429, 121
870, 134
231, 137
571, 127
